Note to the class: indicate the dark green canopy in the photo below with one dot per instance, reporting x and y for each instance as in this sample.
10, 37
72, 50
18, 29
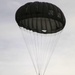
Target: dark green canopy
41, 17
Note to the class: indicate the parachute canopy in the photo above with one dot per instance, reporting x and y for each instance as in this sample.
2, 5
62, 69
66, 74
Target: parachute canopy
41, 17
41, 24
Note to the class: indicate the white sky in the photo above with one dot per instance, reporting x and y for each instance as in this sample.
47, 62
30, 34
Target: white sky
14, 58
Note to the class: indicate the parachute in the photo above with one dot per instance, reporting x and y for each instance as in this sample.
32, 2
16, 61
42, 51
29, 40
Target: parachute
41, 24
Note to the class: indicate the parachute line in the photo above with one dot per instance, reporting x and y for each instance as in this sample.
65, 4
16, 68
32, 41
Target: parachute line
51, 48
29, 51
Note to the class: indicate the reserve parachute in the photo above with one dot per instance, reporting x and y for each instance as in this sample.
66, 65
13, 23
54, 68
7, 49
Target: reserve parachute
41, 24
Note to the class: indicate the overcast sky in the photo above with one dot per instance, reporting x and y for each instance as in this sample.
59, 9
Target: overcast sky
14, 58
